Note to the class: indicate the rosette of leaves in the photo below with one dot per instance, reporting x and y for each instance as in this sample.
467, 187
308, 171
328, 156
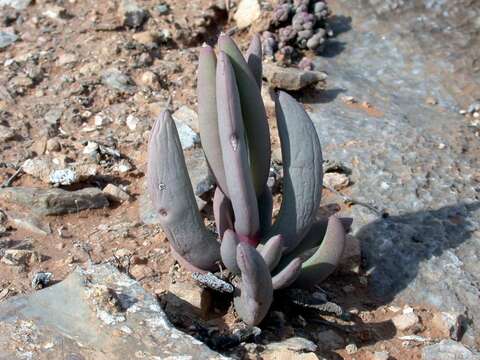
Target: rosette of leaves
295, 250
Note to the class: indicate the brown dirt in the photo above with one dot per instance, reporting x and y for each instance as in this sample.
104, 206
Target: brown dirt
93, 33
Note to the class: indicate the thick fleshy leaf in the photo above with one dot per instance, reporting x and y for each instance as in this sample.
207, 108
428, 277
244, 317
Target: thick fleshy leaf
254, 59
288, 275
324, 261
254, 115
302, 169
311, 241
172, 196
234, 151
222, 211
256, 292
265, 207
228, 251
272, 251
207, 113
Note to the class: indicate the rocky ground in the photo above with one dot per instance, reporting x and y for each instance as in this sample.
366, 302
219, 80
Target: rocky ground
80, 85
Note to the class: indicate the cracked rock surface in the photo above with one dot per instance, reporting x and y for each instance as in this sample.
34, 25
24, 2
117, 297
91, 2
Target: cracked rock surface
415, 160
99, 313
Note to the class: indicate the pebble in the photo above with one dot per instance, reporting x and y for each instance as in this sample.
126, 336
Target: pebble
351, 349
162, 9
189, 298
53, 115
448, 324
141, 271
115, 193
405, 321
41, 280
16, 257
381, 355
7, 38
6, 133
150, 79
55, 12
53, 145
291, 78
132, 15
16, 4
291, 348
31, 224
247, 12
337, 181
67, 58
431, 101
187, 116
132, 122
100, 119
188, 137
116, 80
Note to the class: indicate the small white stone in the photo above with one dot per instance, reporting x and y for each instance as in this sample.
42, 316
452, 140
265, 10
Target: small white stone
188, 116
442, 146
91, 148
405, 321
335, 180
100, 119
351, 349
132, 122
381, 355
188, 137
476, 115
115, 193
248, 11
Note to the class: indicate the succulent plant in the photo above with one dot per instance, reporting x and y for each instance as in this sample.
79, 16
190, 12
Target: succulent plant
296, 25
293, 251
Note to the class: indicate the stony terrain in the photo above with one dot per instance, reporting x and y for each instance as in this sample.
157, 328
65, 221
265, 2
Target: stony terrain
80, 84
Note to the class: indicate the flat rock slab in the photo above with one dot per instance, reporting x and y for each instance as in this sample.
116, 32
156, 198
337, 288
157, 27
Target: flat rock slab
415, 160
55, 201
74, 320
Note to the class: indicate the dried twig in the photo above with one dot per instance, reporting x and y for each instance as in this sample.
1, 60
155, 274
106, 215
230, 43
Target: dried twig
305, 299
9, 181
211, 281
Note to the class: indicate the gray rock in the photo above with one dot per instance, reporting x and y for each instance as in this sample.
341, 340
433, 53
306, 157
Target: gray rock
45, 169
6, 133
7, 38
55, 201
188, 116
93, 314
288, 78
115, 193
381, 355
188, 137
297, 344
30, 223
41, 279
16, 4
133, 16
329, 340
200, 176
20, 257
247, 12
448, 350
427, 250
116, 80
54, 115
